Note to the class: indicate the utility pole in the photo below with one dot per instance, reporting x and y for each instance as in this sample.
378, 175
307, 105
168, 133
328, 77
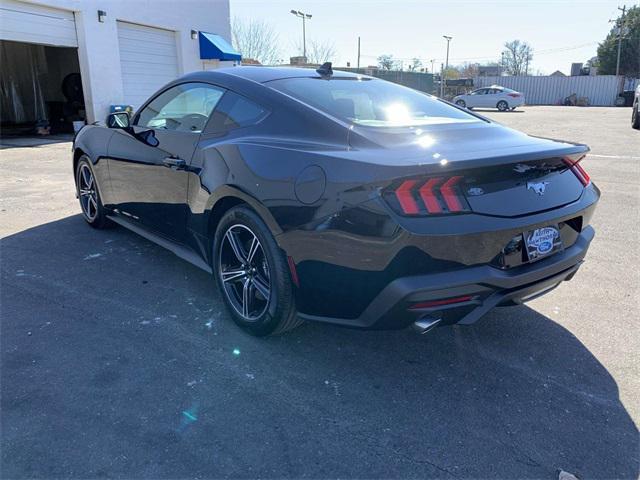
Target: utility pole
358, 64
433, 60
620, 32
442, 79
304, 17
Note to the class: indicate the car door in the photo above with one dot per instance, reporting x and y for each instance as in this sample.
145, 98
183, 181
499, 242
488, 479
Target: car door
494, 95
489, 98
476, 98
149, 183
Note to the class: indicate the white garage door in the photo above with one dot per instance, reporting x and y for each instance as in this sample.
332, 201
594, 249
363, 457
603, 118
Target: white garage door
149, 59
24, 22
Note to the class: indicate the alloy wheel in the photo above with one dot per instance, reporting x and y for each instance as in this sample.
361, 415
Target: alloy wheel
244, 272
88, 193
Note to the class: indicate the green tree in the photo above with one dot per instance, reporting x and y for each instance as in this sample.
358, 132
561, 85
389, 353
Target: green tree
451, 73
630, 52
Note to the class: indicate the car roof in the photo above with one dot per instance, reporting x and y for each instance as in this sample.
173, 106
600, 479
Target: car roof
262, 74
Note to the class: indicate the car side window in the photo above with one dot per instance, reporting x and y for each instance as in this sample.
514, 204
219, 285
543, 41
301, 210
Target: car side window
235, 111
183, 108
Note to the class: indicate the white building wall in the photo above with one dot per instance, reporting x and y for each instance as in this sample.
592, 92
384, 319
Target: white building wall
98, 42
601, 90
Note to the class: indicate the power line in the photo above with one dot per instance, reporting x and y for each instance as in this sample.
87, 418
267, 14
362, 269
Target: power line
489, 57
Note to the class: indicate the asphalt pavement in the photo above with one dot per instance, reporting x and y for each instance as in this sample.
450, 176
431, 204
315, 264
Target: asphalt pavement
119, 360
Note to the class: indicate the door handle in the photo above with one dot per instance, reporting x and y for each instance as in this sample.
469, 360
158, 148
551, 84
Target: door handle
175, 163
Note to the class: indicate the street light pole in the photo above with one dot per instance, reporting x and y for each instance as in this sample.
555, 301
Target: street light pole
620, 33
304, 17
446, 67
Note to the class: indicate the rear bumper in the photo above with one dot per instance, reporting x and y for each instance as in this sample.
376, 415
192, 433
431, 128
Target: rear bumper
487, 286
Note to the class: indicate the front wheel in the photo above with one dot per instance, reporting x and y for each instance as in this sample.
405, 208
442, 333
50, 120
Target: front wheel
635, 117
461, 103
253, 275
89, 196
502, 106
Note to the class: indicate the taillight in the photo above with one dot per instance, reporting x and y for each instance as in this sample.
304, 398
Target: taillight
430, 196
577, 169
514, 95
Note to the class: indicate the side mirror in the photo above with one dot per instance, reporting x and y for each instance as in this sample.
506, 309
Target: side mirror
148, 137
118, 120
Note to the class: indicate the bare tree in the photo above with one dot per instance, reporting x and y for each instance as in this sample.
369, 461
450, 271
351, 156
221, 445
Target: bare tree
386, 62
517, 57
468, 70
319, 52
255, 39
416, 63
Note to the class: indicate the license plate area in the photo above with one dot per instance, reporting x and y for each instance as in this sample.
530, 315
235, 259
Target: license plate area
542, 242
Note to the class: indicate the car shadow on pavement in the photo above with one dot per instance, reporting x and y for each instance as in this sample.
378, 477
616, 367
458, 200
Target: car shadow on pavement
495, 110
118, 360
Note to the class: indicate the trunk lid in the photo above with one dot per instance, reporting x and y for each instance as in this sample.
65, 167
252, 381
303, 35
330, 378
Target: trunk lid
502, 172
521, 188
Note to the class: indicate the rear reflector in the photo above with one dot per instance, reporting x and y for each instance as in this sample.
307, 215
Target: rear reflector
294, 271
438, 303
431, 196
577, 170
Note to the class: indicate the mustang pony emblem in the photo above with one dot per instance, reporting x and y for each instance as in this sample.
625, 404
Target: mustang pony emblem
537, 187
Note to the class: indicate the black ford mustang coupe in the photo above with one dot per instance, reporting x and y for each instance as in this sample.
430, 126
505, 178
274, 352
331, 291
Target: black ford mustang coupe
336, 197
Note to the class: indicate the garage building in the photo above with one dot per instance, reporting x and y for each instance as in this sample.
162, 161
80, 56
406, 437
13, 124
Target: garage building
73, 60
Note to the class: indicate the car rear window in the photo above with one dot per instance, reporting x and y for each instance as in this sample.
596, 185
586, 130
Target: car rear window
371, 102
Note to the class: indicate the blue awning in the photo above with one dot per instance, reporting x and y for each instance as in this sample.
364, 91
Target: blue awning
214, 47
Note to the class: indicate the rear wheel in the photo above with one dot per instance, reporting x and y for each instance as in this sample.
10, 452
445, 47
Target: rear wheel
635, 117
252, 274
461, 103
89, 196
502, 106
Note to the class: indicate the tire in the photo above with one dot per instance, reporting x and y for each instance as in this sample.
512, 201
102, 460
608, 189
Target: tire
87, 190
461, 103
635, 117
252, 272
502, 106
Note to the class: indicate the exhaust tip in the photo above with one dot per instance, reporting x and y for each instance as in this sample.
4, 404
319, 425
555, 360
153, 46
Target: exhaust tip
426, 324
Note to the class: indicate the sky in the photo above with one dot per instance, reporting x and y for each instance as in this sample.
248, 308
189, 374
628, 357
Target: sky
560, 32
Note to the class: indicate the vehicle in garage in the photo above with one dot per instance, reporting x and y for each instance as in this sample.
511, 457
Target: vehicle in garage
337, 197
65, 62
494, 96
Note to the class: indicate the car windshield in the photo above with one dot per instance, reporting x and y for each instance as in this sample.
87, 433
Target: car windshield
370, 102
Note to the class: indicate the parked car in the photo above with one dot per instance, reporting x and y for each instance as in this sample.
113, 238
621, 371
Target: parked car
635, 110
491, 97
340, 198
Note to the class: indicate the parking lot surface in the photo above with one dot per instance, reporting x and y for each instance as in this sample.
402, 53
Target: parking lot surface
118, 359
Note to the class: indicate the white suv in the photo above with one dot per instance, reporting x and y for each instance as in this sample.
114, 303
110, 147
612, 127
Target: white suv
491, 97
